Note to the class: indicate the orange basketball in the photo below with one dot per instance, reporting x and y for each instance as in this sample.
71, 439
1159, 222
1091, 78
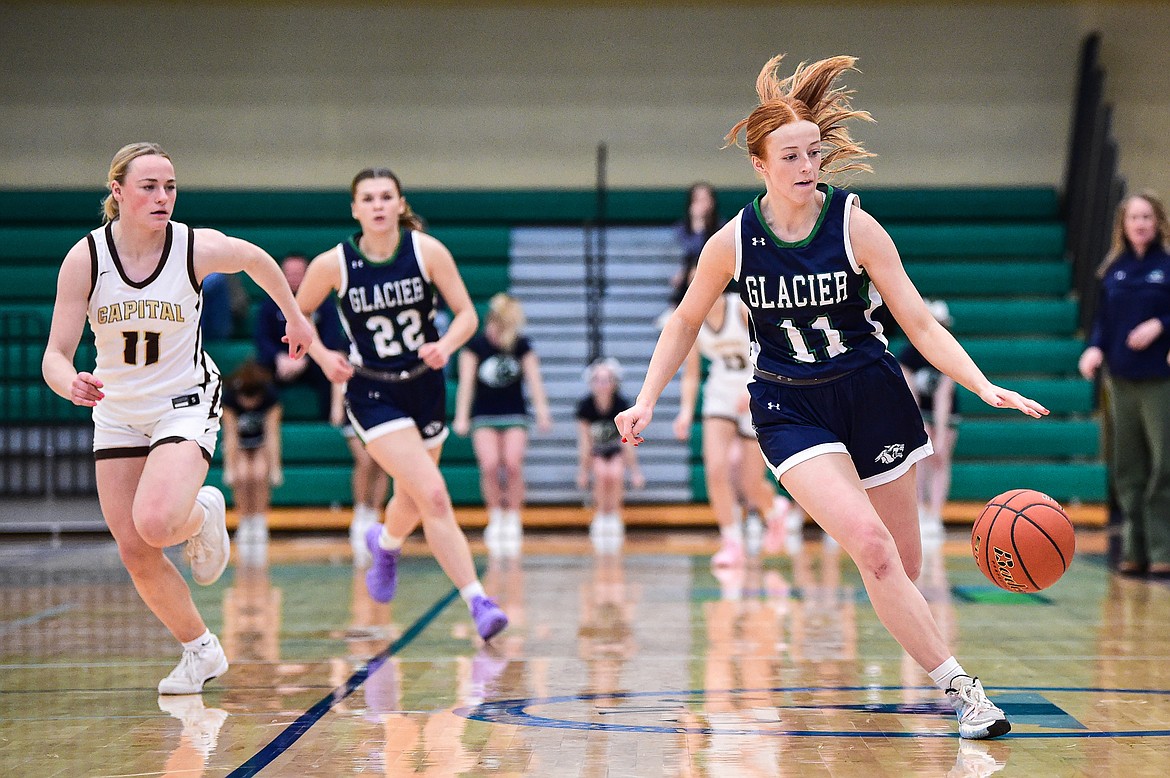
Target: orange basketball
1023, 541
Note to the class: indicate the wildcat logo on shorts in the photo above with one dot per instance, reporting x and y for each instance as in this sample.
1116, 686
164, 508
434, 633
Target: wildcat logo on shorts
891, 453
432, 429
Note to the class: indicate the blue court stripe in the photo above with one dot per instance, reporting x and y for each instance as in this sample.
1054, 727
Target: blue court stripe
292, 733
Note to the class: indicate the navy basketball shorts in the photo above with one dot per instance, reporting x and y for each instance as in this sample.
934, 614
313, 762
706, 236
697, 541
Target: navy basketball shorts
868, 414
376, 408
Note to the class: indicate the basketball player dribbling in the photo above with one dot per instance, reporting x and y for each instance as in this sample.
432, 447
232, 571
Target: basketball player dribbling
155, 393
833, 414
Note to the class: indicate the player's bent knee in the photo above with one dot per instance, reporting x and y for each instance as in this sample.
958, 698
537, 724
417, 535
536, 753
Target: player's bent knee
156, 525
874, 552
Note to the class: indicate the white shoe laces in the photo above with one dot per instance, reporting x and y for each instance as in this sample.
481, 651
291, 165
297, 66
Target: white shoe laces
196, 549
186, 667
972, 694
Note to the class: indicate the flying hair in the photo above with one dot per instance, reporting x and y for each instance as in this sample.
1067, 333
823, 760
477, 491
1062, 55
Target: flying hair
811, 93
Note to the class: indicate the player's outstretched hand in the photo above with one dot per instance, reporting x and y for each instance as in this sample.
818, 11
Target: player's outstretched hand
998, 397
632, 421
298, 334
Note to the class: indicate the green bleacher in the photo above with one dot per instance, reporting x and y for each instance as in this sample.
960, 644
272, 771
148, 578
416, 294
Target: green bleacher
995, 254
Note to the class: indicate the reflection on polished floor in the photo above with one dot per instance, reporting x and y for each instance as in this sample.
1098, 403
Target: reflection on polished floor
637, 664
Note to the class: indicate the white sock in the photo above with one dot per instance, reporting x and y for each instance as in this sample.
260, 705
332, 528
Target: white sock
471, 591
388, 542
512, 516
495, 515
732, 533
199, 642
945, 674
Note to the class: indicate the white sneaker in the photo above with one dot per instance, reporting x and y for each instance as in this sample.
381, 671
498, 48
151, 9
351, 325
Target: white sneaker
196, 668
930, 527
979, 718
252, 530
362, 521
201, 725
511, 537
607, 533
251, 554
753, 534
208, 549
493, 537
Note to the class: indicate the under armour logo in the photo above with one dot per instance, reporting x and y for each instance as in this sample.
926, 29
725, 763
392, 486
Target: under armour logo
890, 453
773, 406
758, 241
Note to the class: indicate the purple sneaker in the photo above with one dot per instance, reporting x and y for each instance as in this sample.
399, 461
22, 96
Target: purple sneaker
489, 619
382, 577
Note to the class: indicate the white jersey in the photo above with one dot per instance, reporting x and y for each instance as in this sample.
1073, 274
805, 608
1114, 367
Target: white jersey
728, 348
149, 344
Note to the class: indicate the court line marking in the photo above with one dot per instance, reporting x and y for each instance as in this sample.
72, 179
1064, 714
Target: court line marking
293, 732
515, 712
48, 613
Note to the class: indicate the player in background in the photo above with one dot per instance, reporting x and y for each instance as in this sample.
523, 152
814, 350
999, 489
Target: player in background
386, 277
601, 458
732, 462
495, 367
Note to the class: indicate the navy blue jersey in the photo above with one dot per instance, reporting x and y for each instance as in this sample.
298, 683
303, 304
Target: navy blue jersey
387, 308
602, 430
812, 306
250, 418
1132, 291
499, 389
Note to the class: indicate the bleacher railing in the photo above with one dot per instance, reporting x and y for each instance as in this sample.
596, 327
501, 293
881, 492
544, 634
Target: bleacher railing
595, 260
1093, 187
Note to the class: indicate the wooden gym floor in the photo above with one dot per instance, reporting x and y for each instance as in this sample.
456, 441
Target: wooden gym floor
640, 664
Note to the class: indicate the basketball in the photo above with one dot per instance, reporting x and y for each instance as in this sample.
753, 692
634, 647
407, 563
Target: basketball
1023, 541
